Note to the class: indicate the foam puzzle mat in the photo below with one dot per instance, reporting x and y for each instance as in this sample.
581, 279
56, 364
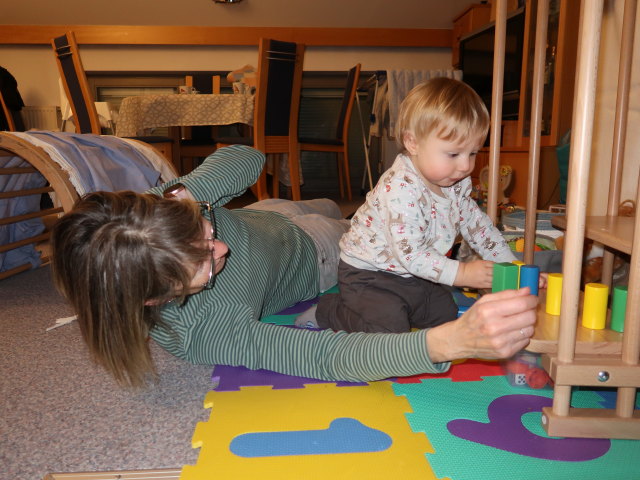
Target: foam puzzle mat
467, 424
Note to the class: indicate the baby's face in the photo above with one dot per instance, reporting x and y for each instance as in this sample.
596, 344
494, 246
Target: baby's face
442, 163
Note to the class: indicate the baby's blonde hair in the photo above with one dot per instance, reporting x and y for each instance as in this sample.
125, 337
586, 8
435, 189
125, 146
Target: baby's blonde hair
449, 108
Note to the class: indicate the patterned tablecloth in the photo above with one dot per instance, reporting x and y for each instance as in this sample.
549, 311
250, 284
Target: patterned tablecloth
139, 114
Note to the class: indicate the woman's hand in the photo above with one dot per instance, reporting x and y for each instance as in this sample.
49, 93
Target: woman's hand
496, 326
475, 274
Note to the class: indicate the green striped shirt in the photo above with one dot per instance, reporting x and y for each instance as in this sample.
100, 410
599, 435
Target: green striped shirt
271, 265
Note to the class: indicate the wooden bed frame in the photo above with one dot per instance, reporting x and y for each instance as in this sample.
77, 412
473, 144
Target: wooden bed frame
65, 195
574, 355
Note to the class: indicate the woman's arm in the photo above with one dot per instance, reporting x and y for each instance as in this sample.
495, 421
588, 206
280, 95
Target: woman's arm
496, 326
224, 175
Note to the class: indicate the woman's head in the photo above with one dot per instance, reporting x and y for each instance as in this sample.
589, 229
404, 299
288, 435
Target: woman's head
116, 257
448, 108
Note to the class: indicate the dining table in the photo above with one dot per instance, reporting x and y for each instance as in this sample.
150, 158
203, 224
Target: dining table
138, 115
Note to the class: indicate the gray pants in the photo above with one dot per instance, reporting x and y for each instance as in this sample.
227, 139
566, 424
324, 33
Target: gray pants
322, 220
376, 301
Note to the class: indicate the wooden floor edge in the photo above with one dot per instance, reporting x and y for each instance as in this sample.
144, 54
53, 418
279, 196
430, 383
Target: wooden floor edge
155, 474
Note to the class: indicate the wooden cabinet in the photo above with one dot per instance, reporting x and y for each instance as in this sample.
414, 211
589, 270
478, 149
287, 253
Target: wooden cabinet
518, 159
559, 71
473, 17
561, 48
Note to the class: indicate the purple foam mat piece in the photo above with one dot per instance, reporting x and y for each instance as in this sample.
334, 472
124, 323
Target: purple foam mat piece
505, 431
299, 307
232, 378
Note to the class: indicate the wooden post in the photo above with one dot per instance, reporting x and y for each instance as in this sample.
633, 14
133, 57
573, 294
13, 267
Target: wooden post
542, 22
579, 164
496, 108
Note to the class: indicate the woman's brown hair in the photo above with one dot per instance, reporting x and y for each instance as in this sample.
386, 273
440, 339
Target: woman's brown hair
116, 258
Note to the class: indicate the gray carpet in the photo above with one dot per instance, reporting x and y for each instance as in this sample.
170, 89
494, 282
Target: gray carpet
61, 413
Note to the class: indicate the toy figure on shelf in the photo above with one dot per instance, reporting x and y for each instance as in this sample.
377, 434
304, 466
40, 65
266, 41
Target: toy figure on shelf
506, 174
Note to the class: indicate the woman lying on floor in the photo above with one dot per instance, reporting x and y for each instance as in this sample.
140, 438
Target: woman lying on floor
175, 266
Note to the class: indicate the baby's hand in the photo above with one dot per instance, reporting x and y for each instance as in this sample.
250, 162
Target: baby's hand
476, 274
542, 281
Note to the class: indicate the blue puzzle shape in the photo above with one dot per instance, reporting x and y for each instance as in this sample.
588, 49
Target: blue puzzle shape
344, 435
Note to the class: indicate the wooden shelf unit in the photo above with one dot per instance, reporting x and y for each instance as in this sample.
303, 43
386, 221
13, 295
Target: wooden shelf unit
573, 355
611, 231
588, 341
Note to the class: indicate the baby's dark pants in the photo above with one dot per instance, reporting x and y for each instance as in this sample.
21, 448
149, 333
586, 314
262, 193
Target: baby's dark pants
375, 301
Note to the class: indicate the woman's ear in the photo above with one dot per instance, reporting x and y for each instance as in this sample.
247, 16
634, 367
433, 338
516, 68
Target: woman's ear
410, 143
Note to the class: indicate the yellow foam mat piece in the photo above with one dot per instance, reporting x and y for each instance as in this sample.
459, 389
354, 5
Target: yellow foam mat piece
261, 409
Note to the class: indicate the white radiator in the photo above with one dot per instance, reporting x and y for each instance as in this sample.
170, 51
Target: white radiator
41, 118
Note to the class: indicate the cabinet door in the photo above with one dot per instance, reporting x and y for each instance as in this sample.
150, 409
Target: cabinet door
559, 69
470, 19
548, 180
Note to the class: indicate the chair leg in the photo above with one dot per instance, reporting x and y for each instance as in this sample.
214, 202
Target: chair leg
275, 175
340, 174
294, 171
259, 189
344, 159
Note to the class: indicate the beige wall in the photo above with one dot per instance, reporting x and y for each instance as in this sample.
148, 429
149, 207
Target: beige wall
35, 69
298, 13
34, 66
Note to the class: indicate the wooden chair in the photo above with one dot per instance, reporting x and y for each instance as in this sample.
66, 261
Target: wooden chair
76, 87
11, 103
339, 143
6, 119
277, 103
200, 141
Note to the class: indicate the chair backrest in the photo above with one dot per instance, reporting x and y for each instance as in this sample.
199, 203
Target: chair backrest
204, 83
75, 83
10, 103
347, 102
277, 102
6, 116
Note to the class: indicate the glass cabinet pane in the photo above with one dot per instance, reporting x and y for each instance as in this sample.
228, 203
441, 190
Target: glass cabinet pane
549, 68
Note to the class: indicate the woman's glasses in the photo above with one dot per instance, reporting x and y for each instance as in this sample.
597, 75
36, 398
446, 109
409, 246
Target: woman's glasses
207, 212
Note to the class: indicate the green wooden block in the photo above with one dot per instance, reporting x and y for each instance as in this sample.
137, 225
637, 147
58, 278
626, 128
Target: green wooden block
618, 308
505, 277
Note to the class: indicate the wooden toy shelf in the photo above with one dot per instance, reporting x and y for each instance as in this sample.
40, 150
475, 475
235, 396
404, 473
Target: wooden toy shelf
572, 354
611, 231
588, 341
